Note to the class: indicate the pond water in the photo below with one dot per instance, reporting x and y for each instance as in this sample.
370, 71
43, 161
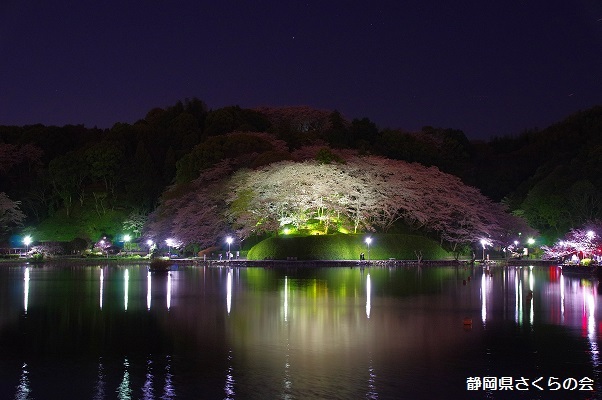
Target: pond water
118, 332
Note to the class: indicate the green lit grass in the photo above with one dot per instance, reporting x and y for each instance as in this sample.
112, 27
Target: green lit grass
347, 247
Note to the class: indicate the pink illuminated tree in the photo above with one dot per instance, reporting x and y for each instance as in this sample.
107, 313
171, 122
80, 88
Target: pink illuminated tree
354, 194
367, 193
192, 213
583, 242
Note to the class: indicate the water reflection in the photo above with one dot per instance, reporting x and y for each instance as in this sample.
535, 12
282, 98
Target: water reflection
148, 392
287, 383
286, 299
372, 393
169, 288
590, 309
124, 390
368, 294
530, 296
562, 299
148, 290
229, 386
229, 291
126, 279
23, 389
168, 299
26, 290
590, 302
484, 297
102, 280
519, 301
169, 391
296, 331
99, 389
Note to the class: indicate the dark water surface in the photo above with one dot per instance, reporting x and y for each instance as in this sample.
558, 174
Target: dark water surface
116, 332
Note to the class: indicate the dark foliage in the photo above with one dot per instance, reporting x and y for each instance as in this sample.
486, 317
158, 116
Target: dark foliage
551, 176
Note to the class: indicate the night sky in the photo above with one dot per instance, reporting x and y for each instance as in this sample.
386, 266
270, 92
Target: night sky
487, 67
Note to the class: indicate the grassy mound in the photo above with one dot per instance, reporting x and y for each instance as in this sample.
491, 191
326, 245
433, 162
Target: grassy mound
347, 247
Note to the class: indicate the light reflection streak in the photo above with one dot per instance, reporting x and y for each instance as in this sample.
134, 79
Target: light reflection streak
124, 391
591, 328
102, 280
229, 291
287, 383
169, 392
285, 299
516, 289
520, 303
562, 297
168, 301
368, 294
148, 392
99, 392
126, 278
531, 297
505, 279
148, 290
229, 387
26, 290
24, 389
372, 393
484, 297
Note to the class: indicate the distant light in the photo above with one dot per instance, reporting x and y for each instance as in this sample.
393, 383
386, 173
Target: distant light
287, 231
127, 238
27, 240
591, 234
368, 240
149, 242
229, 240
531, 241
170, 242
484, 242
516, 242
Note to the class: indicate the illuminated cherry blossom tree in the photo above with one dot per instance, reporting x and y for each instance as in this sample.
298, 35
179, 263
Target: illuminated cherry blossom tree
355, 194
584, 242
367, 193
192, 213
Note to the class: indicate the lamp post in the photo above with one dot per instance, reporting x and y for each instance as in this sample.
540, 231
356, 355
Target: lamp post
530, 241
27, 242
126, 239
229, 241
368, 241
483, 243
104, 246
149, 243
170, 243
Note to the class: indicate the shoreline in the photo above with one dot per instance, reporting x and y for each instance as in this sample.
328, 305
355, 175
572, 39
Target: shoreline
282, 263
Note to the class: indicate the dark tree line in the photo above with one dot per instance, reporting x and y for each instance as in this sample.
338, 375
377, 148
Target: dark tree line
551, 177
